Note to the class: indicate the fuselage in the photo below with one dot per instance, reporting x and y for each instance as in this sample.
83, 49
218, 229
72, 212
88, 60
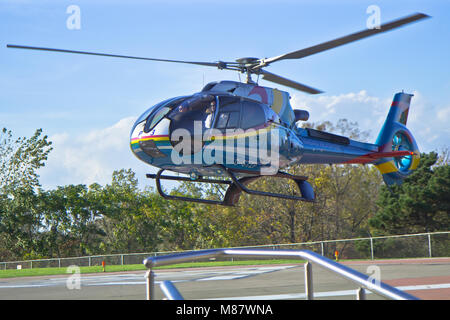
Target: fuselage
252, 133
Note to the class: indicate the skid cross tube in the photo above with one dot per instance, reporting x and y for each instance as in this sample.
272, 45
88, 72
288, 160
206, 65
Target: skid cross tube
235, 186
361, 280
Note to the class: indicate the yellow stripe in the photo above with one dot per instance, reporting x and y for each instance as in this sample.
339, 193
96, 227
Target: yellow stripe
147, 139
219, 137
387, 167
245, 134
154, 139
277, 101
416, 160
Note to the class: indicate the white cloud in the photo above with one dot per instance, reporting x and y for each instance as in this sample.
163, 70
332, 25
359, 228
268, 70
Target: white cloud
444, 115
368, 111
90, 157
428, 122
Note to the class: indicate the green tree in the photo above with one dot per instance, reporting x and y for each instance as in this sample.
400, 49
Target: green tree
20, 220
21, 158
69, 216
130, 218
19, 225
420, 204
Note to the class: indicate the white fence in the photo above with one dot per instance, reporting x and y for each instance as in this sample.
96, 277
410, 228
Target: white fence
436, 244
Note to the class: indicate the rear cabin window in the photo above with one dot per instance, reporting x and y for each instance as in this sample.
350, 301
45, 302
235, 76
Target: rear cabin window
229, 113
252, 115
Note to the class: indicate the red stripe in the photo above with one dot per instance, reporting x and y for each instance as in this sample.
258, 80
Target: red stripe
376, 155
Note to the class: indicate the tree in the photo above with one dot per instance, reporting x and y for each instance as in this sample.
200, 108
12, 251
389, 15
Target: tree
130, 218
420, 204
19, 217
19, 225
69, 215
21, 158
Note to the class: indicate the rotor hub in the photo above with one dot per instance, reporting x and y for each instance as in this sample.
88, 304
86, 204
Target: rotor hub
247, 61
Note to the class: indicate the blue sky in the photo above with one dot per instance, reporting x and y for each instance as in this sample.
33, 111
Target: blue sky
87, 104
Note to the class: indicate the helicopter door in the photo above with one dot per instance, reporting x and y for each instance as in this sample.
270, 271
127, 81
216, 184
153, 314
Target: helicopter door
228, 122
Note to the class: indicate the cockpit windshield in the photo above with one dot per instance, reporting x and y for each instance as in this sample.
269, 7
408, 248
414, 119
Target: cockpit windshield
151, 123
156, 113
148, 115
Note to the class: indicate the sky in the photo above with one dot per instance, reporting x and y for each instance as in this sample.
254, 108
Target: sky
87, 104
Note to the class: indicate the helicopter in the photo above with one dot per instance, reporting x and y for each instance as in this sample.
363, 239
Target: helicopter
233, 133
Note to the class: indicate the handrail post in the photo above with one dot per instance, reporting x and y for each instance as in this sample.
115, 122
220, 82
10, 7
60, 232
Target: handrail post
150, 276
309, 281
371, 248
361, 294
429, 245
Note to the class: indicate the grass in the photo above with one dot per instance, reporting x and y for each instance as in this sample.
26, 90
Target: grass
12, 273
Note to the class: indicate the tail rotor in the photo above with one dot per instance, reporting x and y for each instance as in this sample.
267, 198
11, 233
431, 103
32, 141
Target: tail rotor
395, 136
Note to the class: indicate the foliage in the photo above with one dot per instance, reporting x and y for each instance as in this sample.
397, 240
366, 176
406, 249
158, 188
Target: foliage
420, 204
21, 158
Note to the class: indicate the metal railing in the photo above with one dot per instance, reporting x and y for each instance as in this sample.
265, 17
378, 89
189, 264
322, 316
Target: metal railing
363, 281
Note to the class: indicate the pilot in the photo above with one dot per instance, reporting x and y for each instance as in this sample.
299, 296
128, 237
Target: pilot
210, 114
211, 108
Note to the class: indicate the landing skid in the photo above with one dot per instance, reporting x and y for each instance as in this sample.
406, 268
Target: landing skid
236, 186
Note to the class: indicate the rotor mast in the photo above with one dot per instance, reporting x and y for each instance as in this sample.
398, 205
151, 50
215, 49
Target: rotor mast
246, 65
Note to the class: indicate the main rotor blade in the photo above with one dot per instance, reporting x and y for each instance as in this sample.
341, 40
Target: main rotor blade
346, 39
209, 64
288, 83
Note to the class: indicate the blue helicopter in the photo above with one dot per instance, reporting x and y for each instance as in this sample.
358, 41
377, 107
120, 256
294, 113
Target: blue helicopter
233, 133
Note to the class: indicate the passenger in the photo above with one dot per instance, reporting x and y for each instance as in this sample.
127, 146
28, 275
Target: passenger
210, 114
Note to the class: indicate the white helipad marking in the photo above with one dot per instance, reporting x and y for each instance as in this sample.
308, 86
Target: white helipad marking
245, 273
139, 279
425, 287
230, 277
24, 286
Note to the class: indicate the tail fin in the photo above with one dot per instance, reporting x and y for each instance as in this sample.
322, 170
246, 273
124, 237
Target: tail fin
395, 136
